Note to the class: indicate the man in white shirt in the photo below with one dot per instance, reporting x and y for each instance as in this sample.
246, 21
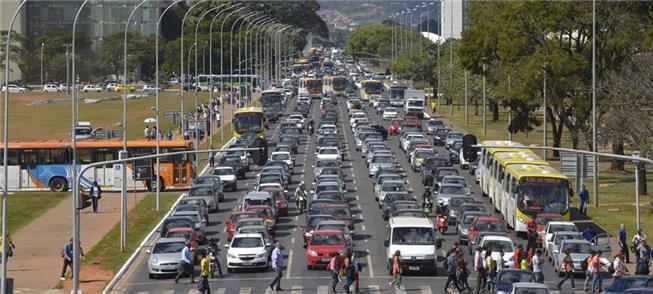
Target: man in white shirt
277, 265
537, 266
186, 264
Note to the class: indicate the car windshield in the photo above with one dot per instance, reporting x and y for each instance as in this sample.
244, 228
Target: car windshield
202, 191
280, 156
542, 221
247, 242
235, 153
336, 211
413, 213
265, 201
531, 291
390, 110
457, 202
581, 248
327, 239
499, 245
205, 180
468, 219
185, 235
455, 135
382, 159
264, 213
237, 217
489, 227
460, 181
168, 247
269, 179
413, 236
448, 172
452, 190
328, 151
511, 277
253, 230
392, 197
332, 227
423, 153
327, 187
393, 187
563, 228
434, 161
441, 132
405, 205
231, 161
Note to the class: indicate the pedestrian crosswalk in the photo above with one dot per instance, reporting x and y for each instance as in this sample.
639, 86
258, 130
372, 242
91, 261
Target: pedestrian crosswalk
424, 289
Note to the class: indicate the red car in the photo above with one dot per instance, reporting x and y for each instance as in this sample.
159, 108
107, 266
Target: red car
265, 212
541, 220
188, 234
231, 222
282, 201
412, 120
395, 126
322, 246
311, 223
340, 212
484, 224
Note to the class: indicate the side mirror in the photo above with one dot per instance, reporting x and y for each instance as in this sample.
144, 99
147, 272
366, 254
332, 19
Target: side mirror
148, 251
226, 245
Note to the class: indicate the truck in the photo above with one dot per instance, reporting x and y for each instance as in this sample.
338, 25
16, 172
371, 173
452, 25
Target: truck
414, 102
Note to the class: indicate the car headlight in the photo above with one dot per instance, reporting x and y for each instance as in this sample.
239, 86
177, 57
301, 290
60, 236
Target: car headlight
311, 252
261, 255
429, 256
154, 261
231, 255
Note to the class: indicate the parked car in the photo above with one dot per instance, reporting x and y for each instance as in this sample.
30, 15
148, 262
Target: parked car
51, 88
13, 89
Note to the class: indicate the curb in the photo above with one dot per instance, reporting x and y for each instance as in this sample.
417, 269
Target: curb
120, 274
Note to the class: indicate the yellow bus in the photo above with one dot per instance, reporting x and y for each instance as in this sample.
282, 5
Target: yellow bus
527, 190
311, 86
486, 161
335, 84
249, 119
371, 89
503, 160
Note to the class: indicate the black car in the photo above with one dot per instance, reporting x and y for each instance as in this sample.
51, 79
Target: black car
429, 165
290, 140
440, 136
235, 163
382, 130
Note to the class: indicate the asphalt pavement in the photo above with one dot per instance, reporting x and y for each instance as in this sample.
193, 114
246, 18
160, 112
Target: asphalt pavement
369, 232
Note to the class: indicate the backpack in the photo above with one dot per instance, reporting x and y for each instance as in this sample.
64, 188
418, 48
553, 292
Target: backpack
584, 265
611, 268
493, 265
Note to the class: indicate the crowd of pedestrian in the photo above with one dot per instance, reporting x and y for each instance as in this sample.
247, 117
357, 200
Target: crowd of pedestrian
207, 113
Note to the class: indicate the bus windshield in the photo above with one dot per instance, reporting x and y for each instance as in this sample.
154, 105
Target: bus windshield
397, 92
372, 88
271, 99
248, 122
538, 194
297, 69
339, 84
314, 85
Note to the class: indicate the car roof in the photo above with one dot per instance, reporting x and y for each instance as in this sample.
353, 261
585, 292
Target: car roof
530, 285
327, 232
451, 185
583, 241
488, 219
561, 223
247, 235
407, 221
171, 240
202, 186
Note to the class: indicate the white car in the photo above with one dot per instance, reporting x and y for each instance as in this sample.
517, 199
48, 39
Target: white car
149, 88
390, 113
298, 117
227, 177
14, 89
111, 87
556, 226
284, 156
247, 251
328, 129
51, 88
91, 88
523, 287
498, 244
328, 153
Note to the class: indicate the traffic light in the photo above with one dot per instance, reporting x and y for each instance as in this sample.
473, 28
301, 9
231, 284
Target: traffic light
469, 152
260, 156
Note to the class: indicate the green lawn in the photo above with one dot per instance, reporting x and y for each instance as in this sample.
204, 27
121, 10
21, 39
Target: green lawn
140, 221
24, 207
616, 188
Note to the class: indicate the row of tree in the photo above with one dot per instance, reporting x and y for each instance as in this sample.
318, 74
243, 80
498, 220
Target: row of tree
95, 61
516, 45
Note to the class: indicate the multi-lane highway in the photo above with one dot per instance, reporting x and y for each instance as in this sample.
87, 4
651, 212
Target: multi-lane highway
370, 229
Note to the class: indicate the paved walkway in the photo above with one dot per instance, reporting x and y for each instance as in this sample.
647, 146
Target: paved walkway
36, 265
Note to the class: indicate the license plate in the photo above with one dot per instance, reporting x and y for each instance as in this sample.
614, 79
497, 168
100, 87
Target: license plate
413, 268
247, 263
326, 259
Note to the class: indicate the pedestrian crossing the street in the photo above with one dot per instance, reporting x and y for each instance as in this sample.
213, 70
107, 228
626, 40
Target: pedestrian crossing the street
304, 289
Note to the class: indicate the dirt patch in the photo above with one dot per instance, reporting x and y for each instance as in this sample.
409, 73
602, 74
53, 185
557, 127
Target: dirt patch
605, 185
93, 278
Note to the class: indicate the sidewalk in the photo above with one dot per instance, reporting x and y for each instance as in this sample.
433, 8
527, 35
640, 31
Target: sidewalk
36, 265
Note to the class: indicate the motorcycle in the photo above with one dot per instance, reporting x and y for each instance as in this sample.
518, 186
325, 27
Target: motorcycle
213, 251
300, 201
311, 130
443, 224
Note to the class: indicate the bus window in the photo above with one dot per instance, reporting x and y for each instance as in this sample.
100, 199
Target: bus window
501, 174
106, 155
84, 156
28, 159
59, 156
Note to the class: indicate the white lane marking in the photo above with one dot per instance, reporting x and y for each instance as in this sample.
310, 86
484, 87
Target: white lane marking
289, 267
142, 292
374, 288
220, 291
294, 229
426, 289
400, 290
170, 292
193, 291
246, 184
363, 227
268, 290
358, 198
225, 229
292, 240
296, 218
322, 289
369, 263
296, 290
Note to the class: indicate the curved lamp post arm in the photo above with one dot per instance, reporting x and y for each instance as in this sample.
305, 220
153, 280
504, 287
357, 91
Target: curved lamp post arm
222, 50
231, 51
247, 46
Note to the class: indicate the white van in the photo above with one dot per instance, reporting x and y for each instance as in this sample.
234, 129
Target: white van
415, 239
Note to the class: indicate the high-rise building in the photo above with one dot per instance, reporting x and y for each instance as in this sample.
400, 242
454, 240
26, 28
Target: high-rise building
7, 9
452, 18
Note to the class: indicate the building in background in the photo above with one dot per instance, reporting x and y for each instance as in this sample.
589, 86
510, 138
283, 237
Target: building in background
452, 18
7, 8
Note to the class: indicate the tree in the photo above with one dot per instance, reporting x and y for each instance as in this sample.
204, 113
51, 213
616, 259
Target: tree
15, 49
139, 53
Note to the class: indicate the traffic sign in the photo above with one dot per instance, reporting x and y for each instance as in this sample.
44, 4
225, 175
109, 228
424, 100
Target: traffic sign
576, 165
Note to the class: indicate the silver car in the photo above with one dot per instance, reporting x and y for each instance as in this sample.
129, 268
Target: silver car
322, 163
381, 162
390, 186
446, 191
207, 192
579, 251
164, 257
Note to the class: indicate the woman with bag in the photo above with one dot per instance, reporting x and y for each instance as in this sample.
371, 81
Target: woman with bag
396, 269
349, 271
566, 266
620, 269
333, 267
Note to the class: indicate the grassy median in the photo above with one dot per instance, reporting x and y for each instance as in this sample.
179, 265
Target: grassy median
24, 207
616, 188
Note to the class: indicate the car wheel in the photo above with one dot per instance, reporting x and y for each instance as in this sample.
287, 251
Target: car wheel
152, 276
230, 270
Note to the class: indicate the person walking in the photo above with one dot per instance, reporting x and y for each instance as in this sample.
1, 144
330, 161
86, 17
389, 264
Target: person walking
67, 255
501, 261
186, 264
623, 243
584, 197
463, 272
491, 269
537, 263
479, 268
334, 267
211, 158
146, 132
642, 267
620, 269
203, 286
350, 271
597, 280
169, 135
96, 195
396, 270
566, 267
642, 250
278, 263
451, 272
517, 256
357, 269
587, 263
638, 239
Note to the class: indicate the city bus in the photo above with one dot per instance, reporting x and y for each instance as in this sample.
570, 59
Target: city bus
397, 95
486, 161
336, 85
501, 161
371, 89
528, 189
46, 165
271, 102
249, 119
312, 86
